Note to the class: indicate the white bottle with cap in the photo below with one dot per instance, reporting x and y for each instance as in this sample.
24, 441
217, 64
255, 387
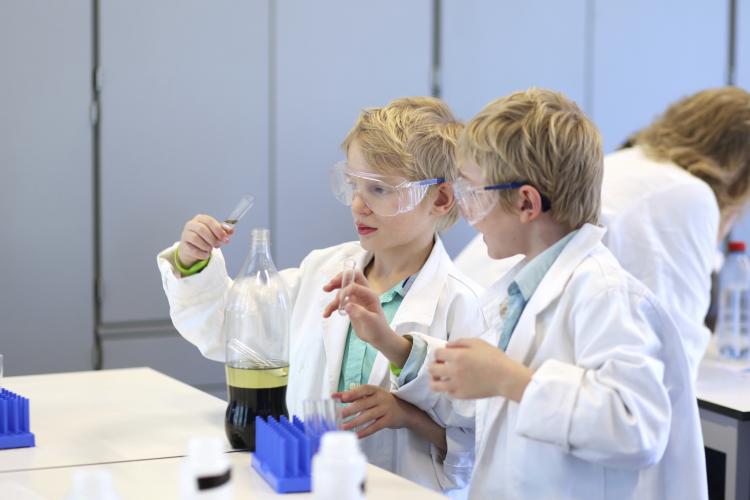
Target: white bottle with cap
92, 484
206, 471
339, 467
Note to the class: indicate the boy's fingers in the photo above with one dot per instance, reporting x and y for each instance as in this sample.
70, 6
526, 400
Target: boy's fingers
446, 355
441, 385
358, 406
371, 429
461, 343
356, 393
439, 370
333, 284
219, 231
332, 306
363, 418
205, 233
196, 250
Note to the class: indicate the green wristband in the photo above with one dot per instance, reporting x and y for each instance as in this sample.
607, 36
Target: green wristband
188, 271
395, 370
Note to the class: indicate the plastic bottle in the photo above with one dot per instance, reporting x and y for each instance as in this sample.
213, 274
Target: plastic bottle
339, 468
256, 329
733, 323
206, 473
92, 484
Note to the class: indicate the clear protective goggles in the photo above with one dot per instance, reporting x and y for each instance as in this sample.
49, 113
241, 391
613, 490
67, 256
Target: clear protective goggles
476, 202
383, 194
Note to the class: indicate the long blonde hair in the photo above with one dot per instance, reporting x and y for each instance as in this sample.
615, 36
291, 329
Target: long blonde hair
707, 134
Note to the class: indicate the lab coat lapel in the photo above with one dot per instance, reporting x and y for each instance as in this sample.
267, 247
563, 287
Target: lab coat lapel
550, 288
417, 310
421, 300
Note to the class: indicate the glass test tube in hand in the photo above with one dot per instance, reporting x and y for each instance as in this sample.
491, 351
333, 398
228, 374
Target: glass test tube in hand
347, 278
245, 204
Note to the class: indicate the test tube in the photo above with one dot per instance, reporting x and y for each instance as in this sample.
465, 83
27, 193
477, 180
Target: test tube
239, 211
321, 415
347, 278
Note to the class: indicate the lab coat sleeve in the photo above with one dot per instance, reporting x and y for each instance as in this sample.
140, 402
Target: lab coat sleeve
611, 407
453, 469
196, 302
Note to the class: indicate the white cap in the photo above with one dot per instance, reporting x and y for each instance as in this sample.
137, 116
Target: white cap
94, 484
339, 443
206, 456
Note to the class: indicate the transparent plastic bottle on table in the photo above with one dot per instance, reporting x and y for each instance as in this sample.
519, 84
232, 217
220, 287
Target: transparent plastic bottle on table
733, 323
256, 329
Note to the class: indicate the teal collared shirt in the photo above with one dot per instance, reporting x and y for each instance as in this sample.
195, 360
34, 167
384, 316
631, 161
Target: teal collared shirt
523, 287
359, 356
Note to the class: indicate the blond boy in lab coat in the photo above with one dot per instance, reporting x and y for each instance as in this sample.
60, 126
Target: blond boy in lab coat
582, 385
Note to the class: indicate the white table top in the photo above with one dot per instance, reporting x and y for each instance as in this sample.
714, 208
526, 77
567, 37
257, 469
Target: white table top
110, 416
135, 423
159, 479
724, 387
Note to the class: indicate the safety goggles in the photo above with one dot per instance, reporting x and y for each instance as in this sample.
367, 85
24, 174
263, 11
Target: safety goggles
476, 202
385, 195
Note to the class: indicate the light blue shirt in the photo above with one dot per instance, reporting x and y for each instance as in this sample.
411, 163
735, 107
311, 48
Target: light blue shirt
523, 287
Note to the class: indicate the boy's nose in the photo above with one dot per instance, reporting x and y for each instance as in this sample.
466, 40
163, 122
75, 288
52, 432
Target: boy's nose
358, 205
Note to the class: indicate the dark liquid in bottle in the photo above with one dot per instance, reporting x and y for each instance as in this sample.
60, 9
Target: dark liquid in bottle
253, 393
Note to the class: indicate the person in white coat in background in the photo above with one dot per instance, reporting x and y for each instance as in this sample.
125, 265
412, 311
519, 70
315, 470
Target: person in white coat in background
400, 161
584, 390
668, 197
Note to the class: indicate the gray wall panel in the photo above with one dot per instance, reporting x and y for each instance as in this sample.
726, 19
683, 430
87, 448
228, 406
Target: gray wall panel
334, 58
46, 306
184, 131
491, 49
649, 54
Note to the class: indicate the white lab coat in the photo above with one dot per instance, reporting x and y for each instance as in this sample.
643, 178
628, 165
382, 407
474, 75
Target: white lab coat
610, 412
441, 303
662, 224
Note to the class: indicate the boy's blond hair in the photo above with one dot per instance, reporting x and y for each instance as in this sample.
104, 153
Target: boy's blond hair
411, 137
540, 137
707, 134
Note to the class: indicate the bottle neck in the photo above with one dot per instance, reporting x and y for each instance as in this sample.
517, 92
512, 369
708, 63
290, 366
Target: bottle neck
260, 256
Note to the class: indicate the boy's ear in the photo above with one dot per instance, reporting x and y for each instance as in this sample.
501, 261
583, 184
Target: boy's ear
529, 203
445, 200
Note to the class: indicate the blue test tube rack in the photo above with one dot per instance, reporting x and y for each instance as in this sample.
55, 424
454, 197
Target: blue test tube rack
283, 453
14, 421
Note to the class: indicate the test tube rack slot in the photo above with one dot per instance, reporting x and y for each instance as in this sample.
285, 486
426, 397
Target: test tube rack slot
14, 421
283, 453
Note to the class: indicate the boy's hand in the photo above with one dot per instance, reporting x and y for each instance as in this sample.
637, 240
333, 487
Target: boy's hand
199, 236
367, 317
473, 369
377, 409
